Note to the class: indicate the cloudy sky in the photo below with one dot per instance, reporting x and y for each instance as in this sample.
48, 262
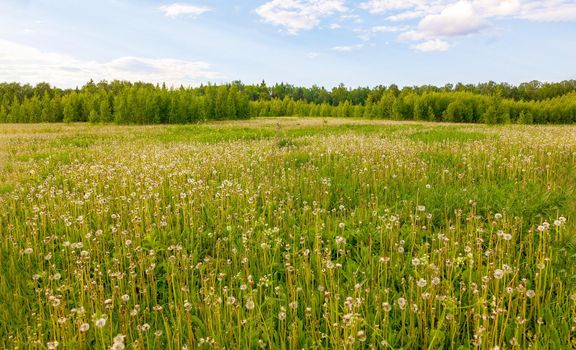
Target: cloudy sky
302, 42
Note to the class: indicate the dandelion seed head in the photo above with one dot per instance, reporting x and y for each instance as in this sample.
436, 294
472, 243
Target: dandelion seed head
250, 305
101, 322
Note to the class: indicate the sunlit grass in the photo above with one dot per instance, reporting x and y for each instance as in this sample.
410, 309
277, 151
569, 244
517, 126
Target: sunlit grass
295, 233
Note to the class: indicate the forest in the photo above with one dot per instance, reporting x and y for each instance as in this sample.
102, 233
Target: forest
124, 102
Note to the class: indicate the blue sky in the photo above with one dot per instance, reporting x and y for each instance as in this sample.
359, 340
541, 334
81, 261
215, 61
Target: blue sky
302, 42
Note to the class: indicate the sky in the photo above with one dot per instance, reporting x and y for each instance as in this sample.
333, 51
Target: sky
300, 42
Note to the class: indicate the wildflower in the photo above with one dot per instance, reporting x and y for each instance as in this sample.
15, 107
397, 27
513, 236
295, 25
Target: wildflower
28, 251
498, 274
52, 345
497, 216
530, 293
421, 283
415, 261
507, 236
436, 281
402, 303
341, 225
421, 208
125, 298
386, 306
118, 342
250, 305
101, 322
84, 327
361, 335
117, 346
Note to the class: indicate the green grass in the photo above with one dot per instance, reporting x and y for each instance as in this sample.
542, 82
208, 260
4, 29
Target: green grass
287, 233
447, 134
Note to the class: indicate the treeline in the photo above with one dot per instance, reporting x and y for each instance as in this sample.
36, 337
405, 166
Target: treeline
122, 103
461, 107
141, 103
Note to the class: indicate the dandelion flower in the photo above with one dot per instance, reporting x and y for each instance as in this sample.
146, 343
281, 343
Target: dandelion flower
84, 327
101, 322
340, 240
386, 306
498, 274
250, 305
117, 346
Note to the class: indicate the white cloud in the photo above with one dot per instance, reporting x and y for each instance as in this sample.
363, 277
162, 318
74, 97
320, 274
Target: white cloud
176, 9
439, 20
454, 20
347, 48
382, 6
298, 15
29, 65
432, 45
549, 11
388, 29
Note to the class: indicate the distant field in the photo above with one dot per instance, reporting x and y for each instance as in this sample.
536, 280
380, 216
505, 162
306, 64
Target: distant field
288, 233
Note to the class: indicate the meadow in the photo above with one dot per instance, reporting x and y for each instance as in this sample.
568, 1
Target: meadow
287, 233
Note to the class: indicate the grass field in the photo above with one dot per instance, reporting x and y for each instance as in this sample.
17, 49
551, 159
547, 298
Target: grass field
287, 234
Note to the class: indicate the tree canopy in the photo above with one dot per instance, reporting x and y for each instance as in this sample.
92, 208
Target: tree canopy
141, 103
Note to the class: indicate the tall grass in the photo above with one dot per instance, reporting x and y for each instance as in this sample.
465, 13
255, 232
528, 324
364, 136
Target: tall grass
403, 236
